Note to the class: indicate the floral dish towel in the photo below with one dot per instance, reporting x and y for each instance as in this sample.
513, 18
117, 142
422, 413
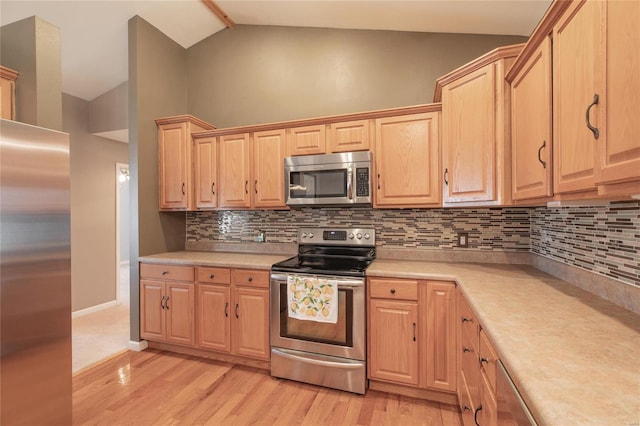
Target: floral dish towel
313, 299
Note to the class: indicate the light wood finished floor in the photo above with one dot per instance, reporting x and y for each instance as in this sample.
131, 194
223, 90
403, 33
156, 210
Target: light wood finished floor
157, 388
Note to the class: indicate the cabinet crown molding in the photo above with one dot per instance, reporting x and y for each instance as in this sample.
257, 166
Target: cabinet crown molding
8, 73
493, 56
185, 118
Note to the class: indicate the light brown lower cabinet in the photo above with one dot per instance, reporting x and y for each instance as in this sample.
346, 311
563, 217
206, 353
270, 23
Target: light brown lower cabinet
412, 335
166, 304
477, 371
232, 311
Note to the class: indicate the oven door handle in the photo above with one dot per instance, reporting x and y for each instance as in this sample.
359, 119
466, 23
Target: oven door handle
287, 354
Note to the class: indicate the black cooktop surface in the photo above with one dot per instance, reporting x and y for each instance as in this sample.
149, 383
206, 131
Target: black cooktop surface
326, 266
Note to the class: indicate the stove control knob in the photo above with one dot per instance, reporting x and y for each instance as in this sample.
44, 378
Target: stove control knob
351, 235
304, 235
359, 236
367, 236
310, 234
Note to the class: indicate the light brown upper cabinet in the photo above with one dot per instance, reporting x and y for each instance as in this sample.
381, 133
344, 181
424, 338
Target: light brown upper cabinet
235, 170
618, 154
8, 93
476, 154
407, 160
307, 140
175, 161
531, 141
596, 102
350, 136
206, 172
268, 168
577, 47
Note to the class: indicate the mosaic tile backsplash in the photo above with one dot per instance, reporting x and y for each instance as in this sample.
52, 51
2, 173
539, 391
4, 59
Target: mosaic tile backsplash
489, 229
602, 239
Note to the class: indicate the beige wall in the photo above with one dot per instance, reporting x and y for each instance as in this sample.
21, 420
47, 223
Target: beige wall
157, 88
110, 111
93, 214
259, 74
32, 47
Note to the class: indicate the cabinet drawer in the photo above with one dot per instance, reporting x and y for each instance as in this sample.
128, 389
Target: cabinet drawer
393, 289
250, 277
213, 275
468, 320
488, 359
166, 272
465, 402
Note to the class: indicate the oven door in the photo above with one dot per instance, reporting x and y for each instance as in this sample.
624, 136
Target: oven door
345, 338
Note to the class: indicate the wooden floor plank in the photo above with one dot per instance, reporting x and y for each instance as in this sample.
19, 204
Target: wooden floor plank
155, 387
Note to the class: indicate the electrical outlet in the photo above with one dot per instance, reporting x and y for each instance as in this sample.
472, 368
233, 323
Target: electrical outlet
463, 239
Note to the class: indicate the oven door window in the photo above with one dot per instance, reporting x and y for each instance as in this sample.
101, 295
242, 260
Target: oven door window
318, 184
340, 333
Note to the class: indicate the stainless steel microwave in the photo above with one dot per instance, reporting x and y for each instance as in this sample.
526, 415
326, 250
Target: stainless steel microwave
328, 179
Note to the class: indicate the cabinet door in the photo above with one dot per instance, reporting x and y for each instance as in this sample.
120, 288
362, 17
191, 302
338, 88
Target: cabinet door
349, 136
407, 160
307, 140
234, 170
393, 346
213, 313
206, 168
531, 126
179, 308
619, 152
7, 99
152, 317
173, 170
441, 336
268, 168
469, 137
577, 50
488, 409
251, 322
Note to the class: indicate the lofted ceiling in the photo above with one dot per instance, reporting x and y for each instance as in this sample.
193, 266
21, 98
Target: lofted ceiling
94, 32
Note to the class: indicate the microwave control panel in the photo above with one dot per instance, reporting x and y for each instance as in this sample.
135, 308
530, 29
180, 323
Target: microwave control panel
362, 182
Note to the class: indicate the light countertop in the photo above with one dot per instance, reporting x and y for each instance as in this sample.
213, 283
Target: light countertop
574, 357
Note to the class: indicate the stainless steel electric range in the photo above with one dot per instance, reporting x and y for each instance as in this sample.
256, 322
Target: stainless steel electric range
318, 309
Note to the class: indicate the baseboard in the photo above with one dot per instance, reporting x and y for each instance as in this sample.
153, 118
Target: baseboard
218, 356
138, 346
444, 397
93, 309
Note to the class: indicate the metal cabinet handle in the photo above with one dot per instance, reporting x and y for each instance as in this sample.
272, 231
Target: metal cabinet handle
393, 291
475, 415
165, 272
237, 311
482, 359
226, 309
162, 303
250, 279
246, 186
596, 132
466, 408
182, 188
446, 176
166, 303
465, 319
414, 331
213, 184
378, 181
255, 186
211, 276
465, 349
544, 163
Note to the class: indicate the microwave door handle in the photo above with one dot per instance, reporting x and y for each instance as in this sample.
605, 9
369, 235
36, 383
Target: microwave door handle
350, 183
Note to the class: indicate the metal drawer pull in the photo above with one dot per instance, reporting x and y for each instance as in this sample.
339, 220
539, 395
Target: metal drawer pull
544, 163
484, 360
596, 132
465, 349
211, 276
165, 272
393, 291
466, 408
250, 279
465, 319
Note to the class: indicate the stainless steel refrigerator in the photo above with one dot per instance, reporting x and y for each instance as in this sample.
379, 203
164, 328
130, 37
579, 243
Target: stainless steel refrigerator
35, 273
